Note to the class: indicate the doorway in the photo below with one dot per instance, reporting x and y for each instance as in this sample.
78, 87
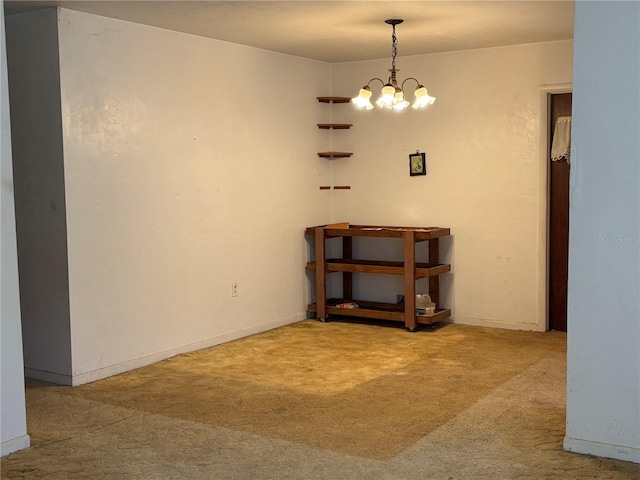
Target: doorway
558, 233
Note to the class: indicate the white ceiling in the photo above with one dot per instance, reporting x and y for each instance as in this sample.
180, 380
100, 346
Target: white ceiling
338, 31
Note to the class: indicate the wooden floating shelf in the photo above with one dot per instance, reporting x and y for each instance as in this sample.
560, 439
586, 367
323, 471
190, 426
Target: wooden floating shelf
334, 154
333, 99
335, 126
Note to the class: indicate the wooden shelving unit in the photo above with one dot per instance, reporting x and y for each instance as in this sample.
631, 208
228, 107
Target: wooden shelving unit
409, 268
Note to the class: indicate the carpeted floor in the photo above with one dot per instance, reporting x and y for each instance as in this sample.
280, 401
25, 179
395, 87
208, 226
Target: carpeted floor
339, 400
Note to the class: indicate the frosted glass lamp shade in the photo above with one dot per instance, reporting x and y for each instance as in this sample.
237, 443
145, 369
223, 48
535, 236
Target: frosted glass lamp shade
387, 97
422, 97
363, 99
399, 103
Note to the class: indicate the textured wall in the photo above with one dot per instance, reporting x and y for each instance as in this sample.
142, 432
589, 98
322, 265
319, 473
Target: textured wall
603, 371
40, 197
13, 425
484, 138
189, 164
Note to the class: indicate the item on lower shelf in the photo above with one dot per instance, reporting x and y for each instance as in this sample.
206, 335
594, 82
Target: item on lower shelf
424, 305
347, 305
426, 312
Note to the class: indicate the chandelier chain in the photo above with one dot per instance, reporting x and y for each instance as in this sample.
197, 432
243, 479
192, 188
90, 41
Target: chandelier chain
394, 48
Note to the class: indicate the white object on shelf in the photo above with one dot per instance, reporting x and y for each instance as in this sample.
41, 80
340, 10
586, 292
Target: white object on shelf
424, 305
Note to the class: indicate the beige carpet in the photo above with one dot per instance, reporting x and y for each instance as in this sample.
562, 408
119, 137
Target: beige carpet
313, 400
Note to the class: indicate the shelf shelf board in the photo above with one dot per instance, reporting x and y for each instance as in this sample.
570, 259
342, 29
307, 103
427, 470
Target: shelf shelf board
379, 311
334, 154
421, 233
436, 317
333, 99
335, 126
423, 270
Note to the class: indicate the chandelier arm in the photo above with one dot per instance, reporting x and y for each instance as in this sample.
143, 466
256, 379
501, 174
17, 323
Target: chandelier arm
375, 78
409, 78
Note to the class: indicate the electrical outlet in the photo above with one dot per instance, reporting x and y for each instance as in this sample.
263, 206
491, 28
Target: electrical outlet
234, 289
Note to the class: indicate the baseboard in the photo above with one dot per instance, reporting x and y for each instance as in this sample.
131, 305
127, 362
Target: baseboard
588, 447
99, 374
15, 444
483, 322
51, 377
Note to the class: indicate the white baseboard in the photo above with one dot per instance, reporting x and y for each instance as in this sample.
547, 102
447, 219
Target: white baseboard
51, 377
483, 322
15, 444
99, 374
588, 447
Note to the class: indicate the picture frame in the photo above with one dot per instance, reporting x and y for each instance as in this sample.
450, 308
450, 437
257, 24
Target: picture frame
417, 164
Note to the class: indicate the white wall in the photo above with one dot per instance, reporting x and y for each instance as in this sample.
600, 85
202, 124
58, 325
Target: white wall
34, 86
603, 377
190, 164
13, 426
485, 177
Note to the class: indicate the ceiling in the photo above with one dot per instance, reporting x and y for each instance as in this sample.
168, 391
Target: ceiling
338, 31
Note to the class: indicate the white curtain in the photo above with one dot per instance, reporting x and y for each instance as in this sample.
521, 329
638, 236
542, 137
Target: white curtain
561, 144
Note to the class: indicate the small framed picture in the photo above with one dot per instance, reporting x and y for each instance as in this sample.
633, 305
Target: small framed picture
417, 164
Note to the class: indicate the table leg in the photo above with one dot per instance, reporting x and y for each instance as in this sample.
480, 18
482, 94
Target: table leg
321, 286
409, 280
434, 281
347, 277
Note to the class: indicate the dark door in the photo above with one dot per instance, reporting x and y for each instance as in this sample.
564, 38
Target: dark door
560, 106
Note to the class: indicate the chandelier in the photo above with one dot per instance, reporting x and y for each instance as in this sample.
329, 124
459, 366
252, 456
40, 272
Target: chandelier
392, 95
